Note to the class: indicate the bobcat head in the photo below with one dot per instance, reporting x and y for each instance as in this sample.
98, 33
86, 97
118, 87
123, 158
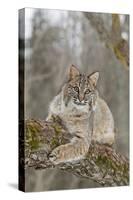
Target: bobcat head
81, 88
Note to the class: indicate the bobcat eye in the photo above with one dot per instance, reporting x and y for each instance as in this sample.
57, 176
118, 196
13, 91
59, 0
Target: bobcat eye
76, 88
87, 91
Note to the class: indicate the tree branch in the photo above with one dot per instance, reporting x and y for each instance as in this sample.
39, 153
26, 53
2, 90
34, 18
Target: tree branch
112, 38
102, 164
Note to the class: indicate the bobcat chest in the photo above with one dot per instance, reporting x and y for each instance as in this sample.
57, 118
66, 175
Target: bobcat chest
77, 122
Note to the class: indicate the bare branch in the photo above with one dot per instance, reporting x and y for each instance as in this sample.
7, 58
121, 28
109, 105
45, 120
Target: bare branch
112, 38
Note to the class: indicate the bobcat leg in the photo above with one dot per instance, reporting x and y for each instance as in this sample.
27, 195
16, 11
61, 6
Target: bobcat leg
72, 151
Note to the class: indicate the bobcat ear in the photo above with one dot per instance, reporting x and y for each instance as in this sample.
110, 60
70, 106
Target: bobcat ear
73, 72
94, 78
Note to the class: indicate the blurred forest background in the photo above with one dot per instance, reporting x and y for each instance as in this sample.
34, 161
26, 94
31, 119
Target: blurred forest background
54, 40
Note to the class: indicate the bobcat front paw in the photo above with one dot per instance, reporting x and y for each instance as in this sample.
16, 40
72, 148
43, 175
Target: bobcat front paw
56, 155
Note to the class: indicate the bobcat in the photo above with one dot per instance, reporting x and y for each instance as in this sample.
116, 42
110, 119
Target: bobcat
86, 116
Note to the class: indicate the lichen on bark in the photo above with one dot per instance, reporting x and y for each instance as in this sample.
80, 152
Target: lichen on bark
101, 164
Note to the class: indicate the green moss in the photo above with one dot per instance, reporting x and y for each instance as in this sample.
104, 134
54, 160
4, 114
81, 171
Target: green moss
54, 142
120, 50
108, 164
105, 163
32, 135
57, 129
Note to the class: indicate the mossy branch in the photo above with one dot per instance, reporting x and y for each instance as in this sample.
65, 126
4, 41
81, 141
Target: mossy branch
102, 163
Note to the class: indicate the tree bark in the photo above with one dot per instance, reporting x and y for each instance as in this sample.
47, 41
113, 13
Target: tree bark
101, 164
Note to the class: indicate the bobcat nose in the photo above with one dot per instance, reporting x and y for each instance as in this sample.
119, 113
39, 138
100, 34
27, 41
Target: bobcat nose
81, 98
